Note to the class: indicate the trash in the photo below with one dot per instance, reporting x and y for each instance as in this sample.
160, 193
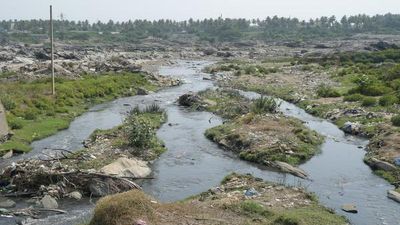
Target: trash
397, 161
251, 192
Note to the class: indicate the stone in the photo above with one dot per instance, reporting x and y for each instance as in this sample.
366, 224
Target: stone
75, 195
352, 128
49, 202
6, 203
350, 208
382, 165
142, 91
8, 155
394, 195
124, 167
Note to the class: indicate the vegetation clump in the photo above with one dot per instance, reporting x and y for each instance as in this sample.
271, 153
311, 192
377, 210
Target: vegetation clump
265, 105
326, 91
396, 120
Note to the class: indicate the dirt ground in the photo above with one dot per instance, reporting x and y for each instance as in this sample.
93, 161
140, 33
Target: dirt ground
240, 199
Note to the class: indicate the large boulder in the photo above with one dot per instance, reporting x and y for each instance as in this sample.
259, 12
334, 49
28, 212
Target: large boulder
124, 167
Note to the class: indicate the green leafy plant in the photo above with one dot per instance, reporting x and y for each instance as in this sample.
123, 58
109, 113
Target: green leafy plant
265, 105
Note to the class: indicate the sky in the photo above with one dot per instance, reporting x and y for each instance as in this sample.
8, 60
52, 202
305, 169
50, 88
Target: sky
123, 10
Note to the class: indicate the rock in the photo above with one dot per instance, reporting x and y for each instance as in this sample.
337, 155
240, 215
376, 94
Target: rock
189, 99
381, 165
397, 161
394, 195
8, 155
6, 203
142, 91
124, 167
350, 208
75, 195
140, 222
287, 168
49, 202
352, 128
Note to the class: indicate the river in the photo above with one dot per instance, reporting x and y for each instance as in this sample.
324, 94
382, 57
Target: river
193, 164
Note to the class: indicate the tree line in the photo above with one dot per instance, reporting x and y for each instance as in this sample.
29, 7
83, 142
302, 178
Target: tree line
213, 30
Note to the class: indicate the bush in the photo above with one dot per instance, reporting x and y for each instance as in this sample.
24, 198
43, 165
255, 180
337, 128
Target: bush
368, 101
139, 131
30, 114
353, 98
15, 124
8, 102
325, 91
265, 105
388, 100
375, 90
396, 120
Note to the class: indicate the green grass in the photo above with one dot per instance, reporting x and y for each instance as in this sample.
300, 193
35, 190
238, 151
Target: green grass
35, 114
308, 215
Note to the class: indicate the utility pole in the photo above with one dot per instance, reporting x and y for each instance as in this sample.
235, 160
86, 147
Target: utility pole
52, 51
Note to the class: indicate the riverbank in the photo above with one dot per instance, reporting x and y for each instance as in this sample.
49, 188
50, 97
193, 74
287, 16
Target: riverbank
332, 92
110, 163
239, 199
33, 113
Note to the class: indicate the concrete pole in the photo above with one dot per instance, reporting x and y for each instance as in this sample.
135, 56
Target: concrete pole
52, 51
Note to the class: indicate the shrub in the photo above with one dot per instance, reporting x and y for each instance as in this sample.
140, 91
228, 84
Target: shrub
327, 92
353, 98
396, 120
265, 105
153, 108
139, 131
368, 101
388, 100
8, 102
15, 124
375, 90
30, 114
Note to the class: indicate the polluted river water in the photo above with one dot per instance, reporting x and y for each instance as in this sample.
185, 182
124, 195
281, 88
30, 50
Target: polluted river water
194, 164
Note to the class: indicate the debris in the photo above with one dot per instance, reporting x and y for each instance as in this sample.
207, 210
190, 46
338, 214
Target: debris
251, 192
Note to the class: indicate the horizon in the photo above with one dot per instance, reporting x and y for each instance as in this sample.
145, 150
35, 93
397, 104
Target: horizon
180, 10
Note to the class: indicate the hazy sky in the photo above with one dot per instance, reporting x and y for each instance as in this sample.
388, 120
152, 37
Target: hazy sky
122, 10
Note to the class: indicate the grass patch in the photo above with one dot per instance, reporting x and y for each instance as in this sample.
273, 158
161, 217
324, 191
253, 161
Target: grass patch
35, 113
